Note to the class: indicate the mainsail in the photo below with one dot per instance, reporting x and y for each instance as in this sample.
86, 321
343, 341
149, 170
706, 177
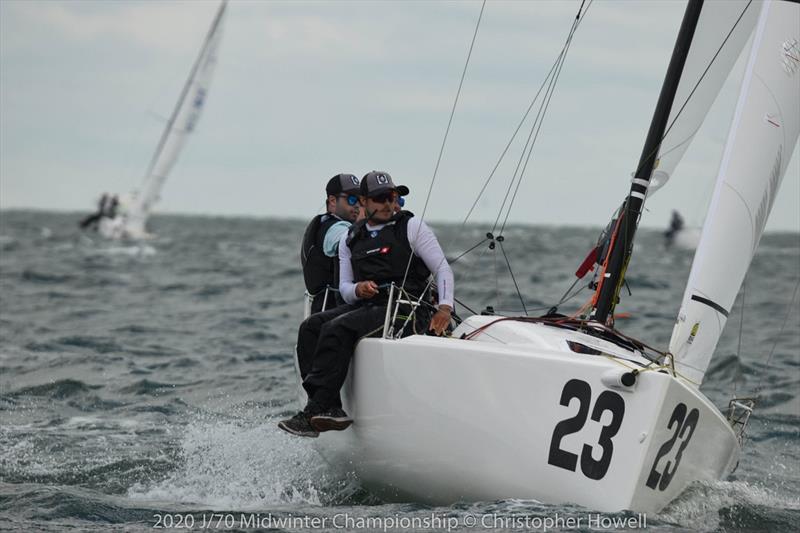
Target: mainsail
722, 31
182, 122
759, 146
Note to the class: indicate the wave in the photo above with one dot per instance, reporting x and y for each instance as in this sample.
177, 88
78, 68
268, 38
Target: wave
65, 388
245, 464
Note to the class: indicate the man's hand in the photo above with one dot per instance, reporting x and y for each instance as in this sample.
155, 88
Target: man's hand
366, 289
441, 319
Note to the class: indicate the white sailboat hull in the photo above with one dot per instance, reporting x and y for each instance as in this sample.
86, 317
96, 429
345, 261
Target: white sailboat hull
444, 420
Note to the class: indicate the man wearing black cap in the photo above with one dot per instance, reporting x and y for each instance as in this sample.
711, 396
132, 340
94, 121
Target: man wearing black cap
383, 248
320, 247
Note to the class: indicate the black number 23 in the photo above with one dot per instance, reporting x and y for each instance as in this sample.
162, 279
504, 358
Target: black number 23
607, 401
683, 425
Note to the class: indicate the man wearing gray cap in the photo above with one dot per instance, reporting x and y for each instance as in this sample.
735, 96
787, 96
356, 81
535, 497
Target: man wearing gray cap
320, 248
383, 248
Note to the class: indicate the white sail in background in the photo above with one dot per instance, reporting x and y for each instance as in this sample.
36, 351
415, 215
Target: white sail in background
759, 146
713, 28
182, 122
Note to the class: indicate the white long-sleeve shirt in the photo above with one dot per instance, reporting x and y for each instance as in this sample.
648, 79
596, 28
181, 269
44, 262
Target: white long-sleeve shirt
423, 243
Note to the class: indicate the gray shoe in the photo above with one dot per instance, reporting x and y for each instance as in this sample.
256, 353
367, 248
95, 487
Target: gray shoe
334, 419
299, 425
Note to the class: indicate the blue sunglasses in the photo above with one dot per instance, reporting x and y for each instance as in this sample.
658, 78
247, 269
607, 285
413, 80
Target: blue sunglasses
401, 201
352, 199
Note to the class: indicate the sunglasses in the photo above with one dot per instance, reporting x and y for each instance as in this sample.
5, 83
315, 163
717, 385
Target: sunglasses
384, 197
352, 199
401, 201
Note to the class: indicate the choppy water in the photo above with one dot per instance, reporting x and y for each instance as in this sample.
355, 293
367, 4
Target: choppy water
143, 381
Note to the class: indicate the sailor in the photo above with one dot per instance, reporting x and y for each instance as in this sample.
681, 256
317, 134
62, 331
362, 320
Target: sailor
111, 211
320, 247
94, 218
386, 247
675, 225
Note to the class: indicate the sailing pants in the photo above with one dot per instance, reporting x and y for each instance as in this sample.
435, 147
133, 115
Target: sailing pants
333, 300
308, 337
335, 346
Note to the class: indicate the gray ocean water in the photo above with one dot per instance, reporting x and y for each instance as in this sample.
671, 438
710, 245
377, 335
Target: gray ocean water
140, 382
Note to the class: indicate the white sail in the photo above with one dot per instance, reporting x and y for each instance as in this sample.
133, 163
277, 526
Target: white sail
722, 30
759, 146
182, 122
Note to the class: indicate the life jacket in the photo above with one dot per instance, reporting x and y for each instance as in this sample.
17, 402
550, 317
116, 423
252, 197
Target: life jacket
319, 270
382, 255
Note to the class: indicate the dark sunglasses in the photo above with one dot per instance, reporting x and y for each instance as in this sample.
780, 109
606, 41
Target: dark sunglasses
352, 199
384, 197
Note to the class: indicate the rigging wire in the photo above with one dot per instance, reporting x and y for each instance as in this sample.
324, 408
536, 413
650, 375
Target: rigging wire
548, 86
447, 131
513, 278
453, 111
537, 125
789, 308
738, 376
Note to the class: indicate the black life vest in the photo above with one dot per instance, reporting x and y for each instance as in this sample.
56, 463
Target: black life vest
319, 270
382, 255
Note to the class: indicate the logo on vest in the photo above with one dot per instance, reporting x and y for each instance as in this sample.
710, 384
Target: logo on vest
382, 250
373, 234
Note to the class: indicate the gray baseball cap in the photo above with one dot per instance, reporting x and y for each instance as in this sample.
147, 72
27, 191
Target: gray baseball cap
378, 182
342, 183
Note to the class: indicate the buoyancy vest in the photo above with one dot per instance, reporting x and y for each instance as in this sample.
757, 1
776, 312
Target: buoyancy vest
382, 255
319, 270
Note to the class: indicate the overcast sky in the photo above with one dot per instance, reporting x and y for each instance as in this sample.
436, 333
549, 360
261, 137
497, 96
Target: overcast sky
304, 90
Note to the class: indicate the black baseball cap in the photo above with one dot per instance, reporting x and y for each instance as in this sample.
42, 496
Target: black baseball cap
377, 182
342, 183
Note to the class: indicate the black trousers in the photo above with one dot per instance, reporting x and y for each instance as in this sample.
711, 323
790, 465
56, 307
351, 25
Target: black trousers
308, 337
333, 301
338, 332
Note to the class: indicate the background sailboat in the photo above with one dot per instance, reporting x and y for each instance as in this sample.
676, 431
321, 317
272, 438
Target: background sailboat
136, 209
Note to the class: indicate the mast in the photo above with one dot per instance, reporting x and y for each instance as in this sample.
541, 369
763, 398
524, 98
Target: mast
620, 253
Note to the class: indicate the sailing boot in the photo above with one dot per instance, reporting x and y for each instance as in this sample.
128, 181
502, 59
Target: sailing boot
299, 425
333, 419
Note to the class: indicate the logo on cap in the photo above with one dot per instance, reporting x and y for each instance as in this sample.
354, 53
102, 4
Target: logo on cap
381, 179
354, 179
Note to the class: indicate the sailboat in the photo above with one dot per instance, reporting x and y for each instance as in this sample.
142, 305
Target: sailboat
131, 219
569, 409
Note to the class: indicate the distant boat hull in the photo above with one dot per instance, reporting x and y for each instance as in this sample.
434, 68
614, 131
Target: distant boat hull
116, 228
686, 239
444, 420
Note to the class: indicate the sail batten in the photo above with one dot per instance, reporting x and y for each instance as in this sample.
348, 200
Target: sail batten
762, 136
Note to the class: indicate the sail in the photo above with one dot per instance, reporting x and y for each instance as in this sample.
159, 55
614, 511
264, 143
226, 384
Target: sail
730, 22
182, 122
759, 146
